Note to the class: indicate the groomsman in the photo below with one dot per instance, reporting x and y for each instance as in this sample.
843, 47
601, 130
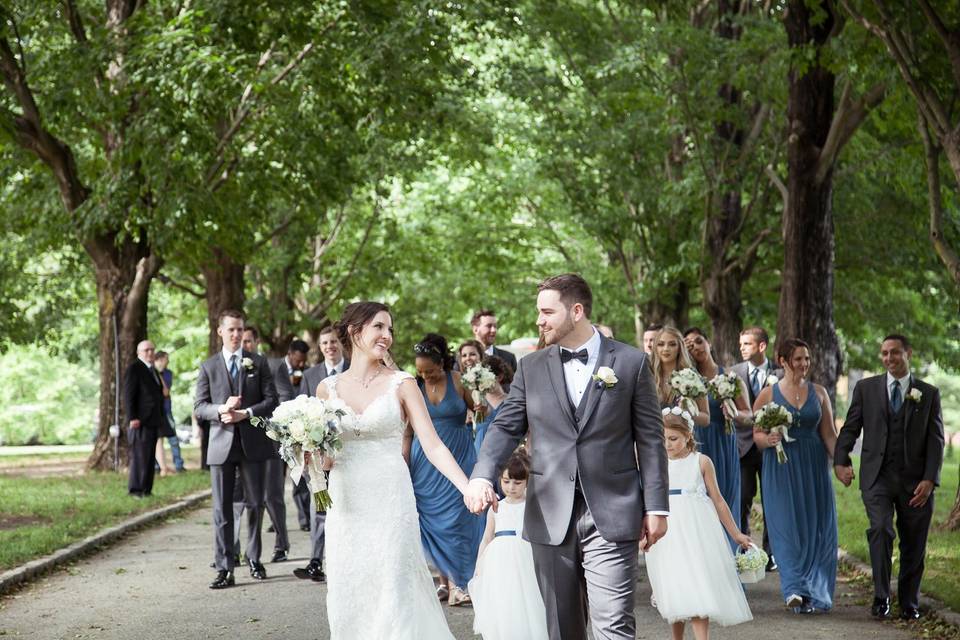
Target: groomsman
235, 385
902, 426
484, 326
143, 401
333, 363
649, 335
757, 372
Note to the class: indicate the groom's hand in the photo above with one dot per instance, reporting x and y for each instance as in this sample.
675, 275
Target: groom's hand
654, 528
479, 495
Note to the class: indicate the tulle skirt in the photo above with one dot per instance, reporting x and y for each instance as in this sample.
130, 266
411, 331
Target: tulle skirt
506, 599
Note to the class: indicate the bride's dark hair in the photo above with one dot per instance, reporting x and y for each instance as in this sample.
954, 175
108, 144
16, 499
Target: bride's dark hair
434, 346
353, 319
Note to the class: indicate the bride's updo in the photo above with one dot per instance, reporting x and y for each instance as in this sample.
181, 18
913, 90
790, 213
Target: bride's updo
353, 319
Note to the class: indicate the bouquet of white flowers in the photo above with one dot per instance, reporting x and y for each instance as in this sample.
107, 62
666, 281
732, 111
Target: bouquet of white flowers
688, 384
773, 418
751, 564
478, 379
308, 424
725, 387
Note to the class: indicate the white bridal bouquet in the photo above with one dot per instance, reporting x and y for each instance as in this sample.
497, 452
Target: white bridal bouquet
751, 564
773, 418
308, 424
725, 387
688, 384
478, 379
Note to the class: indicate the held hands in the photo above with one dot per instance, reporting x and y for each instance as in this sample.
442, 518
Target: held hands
654, 528
921, 494
233, 416
844, 474
479, 495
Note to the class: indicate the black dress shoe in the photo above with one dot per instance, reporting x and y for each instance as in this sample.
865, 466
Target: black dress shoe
304, 527
313, 571
223, 580
771, 564
880, 608
270, 528
257, 571
909, 613
279, 556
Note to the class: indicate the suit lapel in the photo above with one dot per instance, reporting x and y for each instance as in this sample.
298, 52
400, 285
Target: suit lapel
908, 407
557, 379
591, 398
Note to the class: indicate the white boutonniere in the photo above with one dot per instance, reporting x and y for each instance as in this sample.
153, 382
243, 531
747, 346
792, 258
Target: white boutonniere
247, 363
605, 377
914, 394
771, 380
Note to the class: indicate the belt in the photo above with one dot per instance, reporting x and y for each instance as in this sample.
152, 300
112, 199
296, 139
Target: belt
679, 492
505, 532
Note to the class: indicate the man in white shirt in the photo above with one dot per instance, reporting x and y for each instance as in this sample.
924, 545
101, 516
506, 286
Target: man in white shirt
484, 327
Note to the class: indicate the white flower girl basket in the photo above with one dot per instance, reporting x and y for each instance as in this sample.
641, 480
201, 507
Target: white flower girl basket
751, 564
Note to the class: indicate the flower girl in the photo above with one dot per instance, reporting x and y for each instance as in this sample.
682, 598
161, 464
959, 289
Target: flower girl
691, 569
506, 600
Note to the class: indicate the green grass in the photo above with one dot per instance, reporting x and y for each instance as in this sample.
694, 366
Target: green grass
943, 547
40, 515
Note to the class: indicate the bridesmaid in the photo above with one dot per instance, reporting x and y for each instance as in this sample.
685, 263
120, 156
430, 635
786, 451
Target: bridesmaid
494, 396
669, 355
469, 354
451, 534
798, 497
713, 440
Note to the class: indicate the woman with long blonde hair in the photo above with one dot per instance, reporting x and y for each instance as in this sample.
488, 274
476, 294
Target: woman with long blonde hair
669, 355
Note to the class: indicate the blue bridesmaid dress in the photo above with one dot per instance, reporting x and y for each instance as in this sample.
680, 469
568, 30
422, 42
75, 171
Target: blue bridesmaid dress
482, 428
715, 443
799, 506
450, 534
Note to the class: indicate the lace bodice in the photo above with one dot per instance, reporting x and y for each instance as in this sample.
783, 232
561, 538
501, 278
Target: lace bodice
381, 420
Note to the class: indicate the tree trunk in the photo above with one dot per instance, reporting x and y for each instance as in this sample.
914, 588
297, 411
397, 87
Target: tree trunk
224, 290
123, 270
806, 295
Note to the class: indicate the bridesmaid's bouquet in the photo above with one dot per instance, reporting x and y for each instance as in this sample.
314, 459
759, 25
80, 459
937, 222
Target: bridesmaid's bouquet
774, 418
308, 424
478, 379
725, 387
688, 385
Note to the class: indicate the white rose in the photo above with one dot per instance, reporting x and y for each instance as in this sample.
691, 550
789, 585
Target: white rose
247, 363
771, 380
607, 376
915, 395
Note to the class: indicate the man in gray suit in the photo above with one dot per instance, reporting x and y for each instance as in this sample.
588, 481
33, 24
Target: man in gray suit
757, 372
598, 487
235, 385
484, 327
902, 426
333, 363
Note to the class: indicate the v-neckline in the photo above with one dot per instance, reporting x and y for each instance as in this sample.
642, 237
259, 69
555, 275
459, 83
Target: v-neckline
446, 383
790, 404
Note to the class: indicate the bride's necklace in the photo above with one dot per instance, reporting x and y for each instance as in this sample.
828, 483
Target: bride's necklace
365, 382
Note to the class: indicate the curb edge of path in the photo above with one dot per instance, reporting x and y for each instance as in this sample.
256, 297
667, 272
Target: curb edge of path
24, 573
944, 612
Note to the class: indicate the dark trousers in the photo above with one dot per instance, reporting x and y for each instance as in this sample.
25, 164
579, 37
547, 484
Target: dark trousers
223, 478
276, 470
889, 496
143, 443
750, 466
204, 442
303, 499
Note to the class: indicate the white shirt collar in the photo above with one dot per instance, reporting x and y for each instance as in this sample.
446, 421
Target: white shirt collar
592, 345
334, 367
146, 364
762, 366
226, 355
904, 381
489, 350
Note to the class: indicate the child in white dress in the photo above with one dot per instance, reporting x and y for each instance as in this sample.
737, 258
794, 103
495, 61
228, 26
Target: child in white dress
691, 569
506, 599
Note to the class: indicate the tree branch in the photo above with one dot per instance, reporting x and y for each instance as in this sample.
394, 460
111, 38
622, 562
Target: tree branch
949, 39
322, 307
778, 183
76, 24
848, 118
167, 280
945, 252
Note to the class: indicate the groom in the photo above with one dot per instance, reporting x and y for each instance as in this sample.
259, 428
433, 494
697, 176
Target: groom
598, 483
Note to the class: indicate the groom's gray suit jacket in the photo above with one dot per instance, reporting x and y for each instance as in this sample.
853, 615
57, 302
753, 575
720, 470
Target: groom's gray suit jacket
612, 443
258, 394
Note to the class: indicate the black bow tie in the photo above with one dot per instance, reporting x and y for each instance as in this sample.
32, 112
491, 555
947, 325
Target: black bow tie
566, 355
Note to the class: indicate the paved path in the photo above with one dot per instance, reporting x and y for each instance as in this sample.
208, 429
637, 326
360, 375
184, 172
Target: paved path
154, 585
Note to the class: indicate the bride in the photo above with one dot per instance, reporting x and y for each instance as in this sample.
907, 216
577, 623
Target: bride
378, 585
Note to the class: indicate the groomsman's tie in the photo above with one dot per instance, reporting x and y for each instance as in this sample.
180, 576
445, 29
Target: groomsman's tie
896, 397
755, 382
234, 369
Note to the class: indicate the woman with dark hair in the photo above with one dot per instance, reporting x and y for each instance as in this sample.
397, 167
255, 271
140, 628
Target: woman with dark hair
494, 397
378, 584
798, 501
450, 533
469, 354
713, 439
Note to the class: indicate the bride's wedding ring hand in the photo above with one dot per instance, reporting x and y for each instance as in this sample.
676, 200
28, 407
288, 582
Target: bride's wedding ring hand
479, 495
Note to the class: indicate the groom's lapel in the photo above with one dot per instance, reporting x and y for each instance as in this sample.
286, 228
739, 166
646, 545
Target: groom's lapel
594, 391
558, 380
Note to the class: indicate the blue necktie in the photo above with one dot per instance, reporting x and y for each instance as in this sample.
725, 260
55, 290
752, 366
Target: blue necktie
896, 398
234, 369
755, 382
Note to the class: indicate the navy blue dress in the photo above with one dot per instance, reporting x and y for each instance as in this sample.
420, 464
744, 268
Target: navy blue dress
721, 447
799, 506
450, 534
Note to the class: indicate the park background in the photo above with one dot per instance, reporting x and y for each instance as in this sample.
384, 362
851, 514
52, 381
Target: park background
793, 164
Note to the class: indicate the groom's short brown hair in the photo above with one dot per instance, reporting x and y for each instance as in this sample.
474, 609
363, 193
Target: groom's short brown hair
572, 289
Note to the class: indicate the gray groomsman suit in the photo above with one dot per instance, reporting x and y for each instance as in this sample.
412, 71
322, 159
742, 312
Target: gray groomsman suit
276, 467
597, 468
311, 380
236, 446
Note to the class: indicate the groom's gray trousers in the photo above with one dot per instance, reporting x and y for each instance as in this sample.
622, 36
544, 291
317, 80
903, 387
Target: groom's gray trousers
585, 566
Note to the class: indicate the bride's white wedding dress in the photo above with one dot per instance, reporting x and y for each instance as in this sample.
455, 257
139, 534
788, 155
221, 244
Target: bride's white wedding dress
378, 585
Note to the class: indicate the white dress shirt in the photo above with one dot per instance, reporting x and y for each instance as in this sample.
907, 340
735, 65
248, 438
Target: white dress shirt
761, 370
904, 385
334, 369
226, 358
577, 374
